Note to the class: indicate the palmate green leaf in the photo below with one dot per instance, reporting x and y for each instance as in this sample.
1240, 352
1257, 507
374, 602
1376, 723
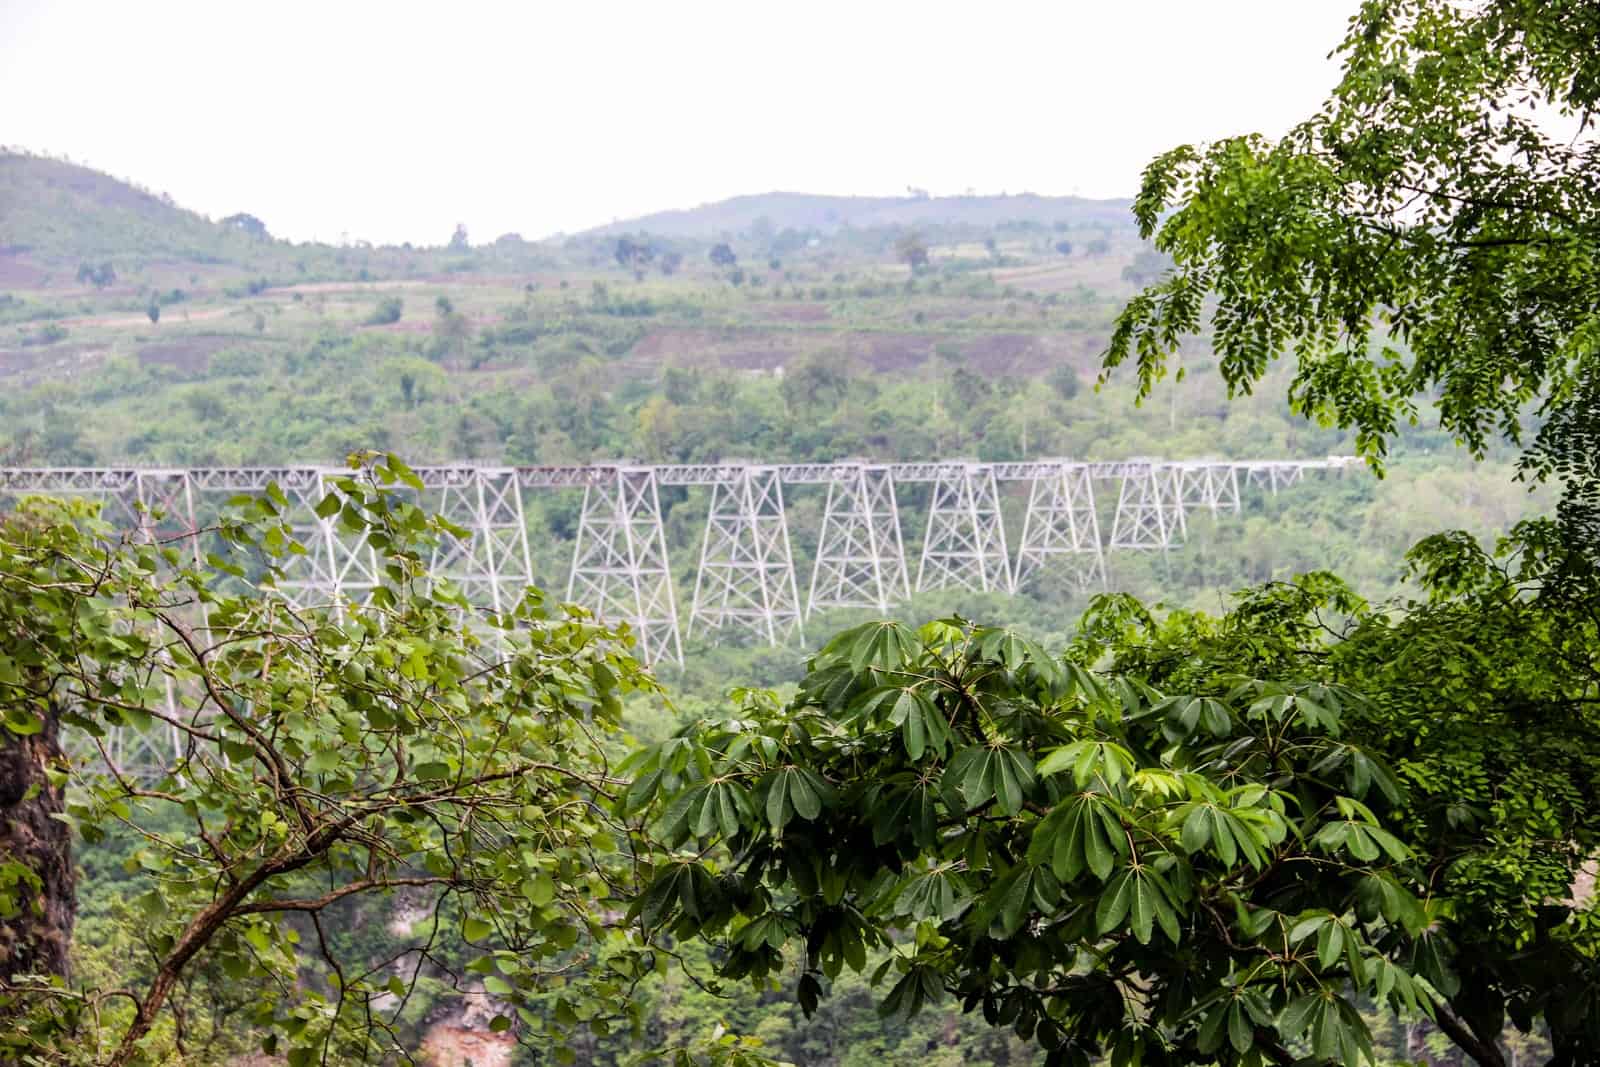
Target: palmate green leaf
1241, 1034
1002, 645
1330, 943
1020, 891
1199, 828
1297, 1017
1433, 958
1379, 895
806, 792
641, 791
1308, 926
978, 778
935, 894
677, 821
1212, 1029
1089, 758
1141, 897
922, 727
1115, 902
1014, 777
913, 808
1215, 717
952, 776
778, 807
1082, 832
882, 646
874, 704
1083, 682
719, 807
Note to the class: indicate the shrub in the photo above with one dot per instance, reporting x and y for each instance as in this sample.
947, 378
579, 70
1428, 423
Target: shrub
388, 310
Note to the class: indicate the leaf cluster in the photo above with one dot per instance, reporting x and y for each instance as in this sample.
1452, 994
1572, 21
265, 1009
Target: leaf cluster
1183, 875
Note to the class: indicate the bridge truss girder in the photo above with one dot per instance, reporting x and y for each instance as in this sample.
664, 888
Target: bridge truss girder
1149, 513
620, 567
492, 565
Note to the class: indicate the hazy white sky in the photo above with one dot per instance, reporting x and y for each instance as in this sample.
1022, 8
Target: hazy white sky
393, 121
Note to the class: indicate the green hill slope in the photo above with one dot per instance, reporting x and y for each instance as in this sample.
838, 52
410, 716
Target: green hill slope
55, 213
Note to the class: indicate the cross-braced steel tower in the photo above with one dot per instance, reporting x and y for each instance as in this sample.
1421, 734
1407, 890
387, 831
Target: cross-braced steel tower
1209, 484
1061, 525
746, 575
619, 564
167, 510
1149, 511
492, 565
151, 506
965, 544
338, 564
861, 560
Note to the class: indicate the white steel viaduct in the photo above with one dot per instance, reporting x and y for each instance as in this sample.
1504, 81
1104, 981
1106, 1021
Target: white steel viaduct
745, 579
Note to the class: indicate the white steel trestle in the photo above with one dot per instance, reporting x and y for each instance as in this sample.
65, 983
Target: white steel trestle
746, 573
965, 546
861, 559
1061, 521
619, 562
746, 577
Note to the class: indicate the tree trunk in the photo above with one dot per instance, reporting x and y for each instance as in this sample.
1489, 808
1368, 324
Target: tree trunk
36, 938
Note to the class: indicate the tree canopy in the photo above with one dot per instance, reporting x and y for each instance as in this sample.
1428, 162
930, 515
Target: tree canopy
1164, 876
311, 758
1429, 235
1193, 840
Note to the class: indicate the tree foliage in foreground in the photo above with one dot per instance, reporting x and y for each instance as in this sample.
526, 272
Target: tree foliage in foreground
1168, 875
1192, 840
1430, 236
320, 758
1433, 232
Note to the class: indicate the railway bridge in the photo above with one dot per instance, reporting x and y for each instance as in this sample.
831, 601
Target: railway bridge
745, 578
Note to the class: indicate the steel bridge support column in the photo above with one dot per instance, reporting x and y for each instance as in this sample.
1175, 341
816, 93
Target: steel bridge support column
314, 579
1195, 488
1225, 478
1147, 508
883, 512
492, 565
1061, 522
965, 544
619, 563
155, 507
861, 560
746, 574
166, 509
166, 513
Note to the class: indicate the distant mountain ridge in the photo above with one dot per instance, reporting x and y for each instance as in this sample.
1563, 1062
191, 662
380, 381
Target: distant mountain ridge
809, 211
58, 213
